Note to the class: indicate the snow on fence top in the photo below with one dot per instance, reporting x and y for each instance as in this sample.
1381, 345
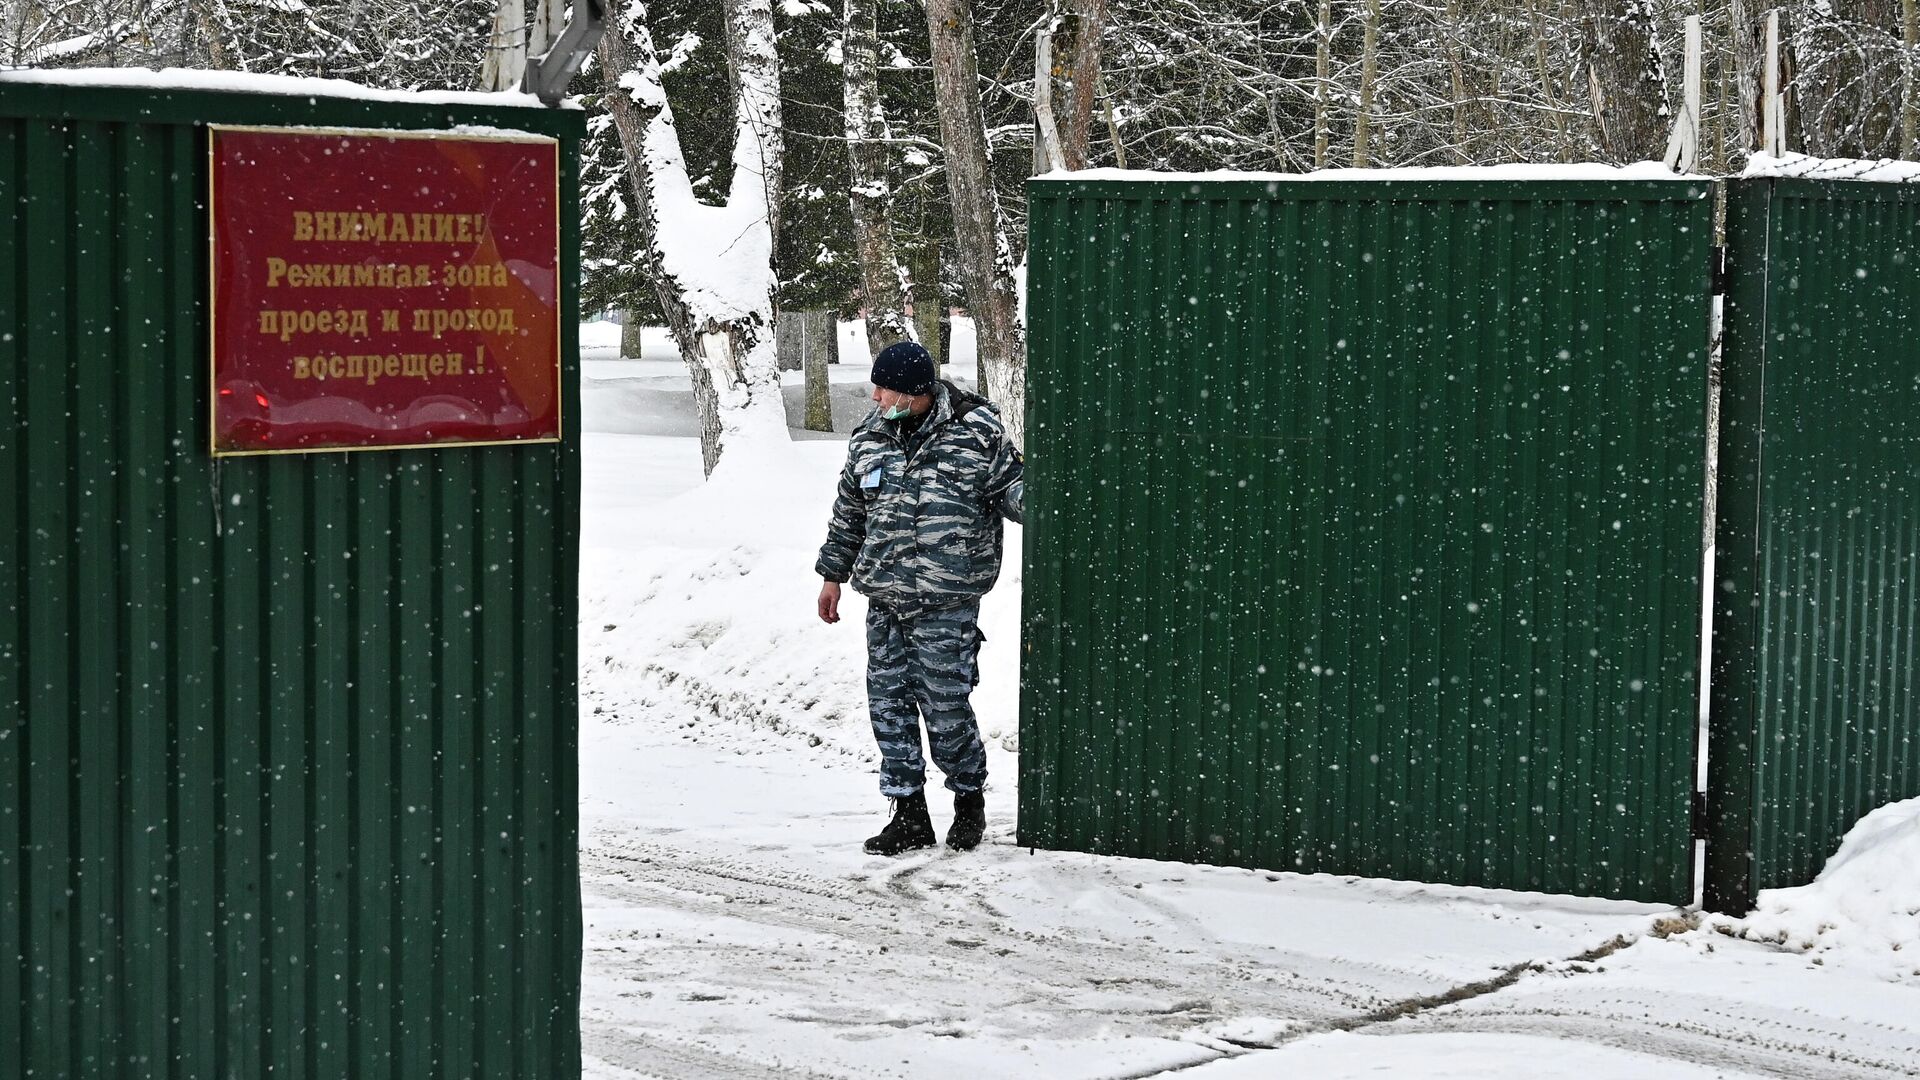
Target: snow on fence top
1760, 165
1645, 170
245, 82
1801, 166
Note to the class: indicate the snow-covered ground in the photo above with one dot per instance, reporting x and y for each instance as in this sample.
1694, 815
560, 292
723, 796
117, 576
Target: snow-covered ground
734, 928
1864, 908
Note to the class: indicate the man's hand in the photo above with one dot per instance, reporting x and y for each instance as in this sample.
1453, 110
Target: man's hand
830, 602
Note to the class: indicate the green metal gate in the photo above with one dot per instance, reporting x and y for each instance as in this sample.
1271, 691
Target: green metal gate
288, 769
1816, 689
1365, 532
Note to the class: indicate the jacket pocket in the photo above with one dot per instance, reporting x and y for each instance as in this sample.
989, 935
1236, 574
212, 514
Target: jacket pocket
890, 532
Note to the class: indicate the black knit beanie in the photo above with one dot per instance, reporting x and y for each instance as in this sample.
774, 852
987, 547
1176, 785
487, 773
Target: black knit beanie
906, 368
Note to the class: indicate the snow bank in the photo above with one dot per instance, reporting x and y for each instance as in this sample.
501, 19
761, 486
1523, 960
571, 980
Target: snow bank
1813, 168
1645, 170
246, 82
1863, 909
598, 336
704, 603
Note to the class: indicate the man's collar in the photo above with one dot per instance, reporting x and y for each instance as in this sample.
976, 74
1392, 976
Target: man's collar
942, 406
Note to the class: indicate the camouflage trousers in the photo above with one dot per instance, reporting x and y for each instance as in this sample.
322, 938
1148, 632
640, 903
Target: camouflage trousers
922, 666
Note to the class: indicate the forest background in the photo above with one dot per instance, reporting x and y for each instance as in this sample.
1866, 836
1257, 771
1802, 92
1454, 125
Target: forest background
749, 158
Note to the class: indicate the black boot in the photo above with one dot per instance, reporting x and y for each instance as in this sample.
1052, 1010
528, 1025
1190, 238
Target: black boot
969, 820
910, 829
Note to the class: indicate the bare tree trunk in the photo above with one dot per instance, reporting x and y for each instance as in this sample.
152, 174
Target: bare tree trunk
1083, 77
1627, 88
1113, 126
927, 309
1276, 135
981, 251
725, 335
885, 292
1909, 94
789, 340
632, 345
1323, 63
818, 341
1369, 73
203, 38
1720, 65
1818, 40
1749, 32
1459, 76
632, 121
1562, 147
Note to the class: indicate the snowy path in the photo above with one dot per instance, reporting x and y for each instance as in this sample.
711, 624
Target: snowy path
734, 928
751, 937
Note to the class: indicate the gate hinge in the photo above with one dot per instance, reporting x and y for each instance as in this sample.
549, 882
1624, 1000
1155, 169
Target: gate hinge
1699, 815
1717, 271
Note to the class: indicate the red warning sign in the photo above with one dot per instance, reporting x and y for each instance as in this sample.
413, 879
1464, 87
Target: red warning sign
378, 289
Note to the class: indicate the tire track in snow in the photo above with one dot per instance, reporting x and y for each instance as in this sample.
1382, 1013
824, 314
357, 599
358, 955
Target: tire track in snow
1786, 1045
1790, 1045
643, 1055
919, 928
1323, 988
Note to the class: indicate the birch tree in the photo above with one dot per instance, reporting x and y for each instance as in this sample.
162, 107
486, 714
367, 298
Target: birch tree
1369, 79
711, 266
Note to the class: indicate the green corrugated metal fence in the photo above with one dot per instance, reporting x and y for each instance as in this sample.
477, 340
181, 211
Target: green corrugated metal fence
287, 777
1815, 713
1365, 532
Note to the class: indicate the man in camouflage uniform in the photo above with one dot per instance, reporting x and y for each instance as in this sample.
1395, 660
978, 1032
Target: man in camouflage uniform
916, 527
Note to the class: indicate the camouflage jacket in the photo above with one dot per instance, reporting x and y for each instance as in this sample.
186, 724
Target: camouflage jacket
921, 527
